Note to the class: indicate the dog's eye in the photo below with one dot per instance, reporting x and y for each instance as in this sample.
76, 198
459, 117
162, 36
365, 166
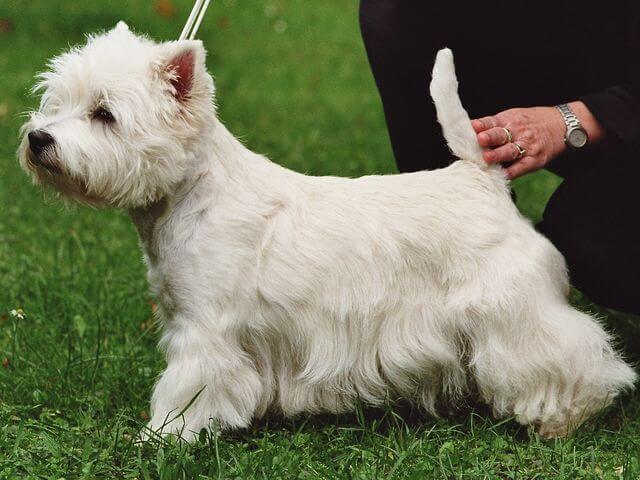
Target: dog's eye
103, 115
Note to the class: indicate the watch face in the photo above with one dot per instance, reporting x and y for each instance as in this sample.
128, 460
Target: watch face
577, 138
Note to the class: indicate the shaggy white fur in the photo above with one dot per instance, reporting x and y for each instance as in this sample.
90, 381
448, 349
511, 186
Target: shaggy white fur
303, 294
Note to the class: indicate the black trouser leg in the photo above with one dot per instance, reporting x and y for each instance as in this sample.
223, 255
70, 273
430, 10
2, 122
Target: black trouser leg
401, 58
592, 219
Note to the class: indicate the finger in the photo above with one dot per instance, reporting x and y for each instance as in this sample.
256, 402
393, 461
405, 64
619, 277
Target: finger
523, 166
505, 153
484, 123
494, 137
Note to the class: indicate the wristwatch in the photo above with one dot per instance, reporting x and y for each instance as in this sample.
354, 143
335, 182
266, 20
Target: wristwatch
576, 136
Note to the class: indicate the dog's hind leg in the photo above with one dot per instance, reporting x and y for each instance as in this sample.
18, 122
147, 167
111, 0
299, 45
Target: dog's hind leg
548, 365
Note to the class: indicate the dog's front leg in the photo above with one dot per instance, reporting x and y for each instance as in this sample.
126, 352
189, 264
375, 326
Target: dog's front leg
209, 382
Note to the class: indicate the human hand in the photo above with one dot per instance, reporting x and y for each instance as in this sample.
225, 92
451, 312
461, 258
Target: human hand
539, 131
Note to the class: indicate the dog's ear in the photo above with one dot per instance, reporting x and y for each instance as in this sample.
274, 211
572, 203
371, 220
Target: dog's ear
183, 63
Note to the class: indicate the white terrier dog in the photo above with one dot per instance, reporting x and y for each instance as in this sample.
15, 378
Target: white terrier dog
303, 294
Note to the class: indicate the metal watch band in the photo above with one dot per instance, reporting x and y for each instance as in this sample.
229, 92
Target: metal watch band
569, 117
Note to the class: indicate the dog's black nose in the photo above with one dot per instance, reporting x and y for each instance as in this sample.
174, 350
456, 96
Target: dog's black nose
39, 140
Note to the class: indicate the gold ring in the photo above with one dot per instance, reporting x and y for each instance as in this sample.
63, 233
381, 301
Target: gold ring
521, 151
509, 138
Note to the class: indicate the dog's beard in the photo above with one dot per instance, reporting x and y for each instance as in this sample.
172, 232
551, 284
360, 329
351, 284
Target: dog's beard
48, 171
47, 161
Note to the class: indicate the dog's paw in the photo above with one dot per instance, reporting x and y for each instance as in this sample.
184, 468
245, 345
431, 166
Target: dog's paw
550, 430
180, 427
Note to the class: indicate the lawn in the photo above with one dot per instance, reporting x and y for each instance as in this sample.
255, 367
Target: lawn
79, 359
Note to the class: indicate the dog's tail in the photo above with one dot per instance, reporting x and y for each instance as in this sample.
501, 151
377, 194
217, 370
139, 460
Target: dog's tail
455, 122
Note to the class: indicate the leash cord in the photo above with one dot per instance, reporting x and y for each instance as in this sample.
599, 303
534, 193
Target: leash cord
195, 19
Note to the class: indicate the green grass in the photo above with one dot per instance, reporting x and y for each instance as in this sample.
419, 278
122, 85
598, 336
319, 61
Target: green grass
78, 369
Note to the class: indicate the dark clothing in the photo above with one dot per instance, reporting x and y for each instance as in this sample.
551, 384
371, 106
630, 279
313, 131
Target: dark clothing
521, 54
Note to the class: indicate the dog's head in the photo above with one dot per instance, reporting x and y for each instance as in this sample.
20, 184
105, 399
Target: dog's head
119, 119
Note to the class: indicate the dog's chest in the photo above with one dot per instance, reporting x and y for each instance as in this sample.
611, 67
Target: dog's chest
205, 269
